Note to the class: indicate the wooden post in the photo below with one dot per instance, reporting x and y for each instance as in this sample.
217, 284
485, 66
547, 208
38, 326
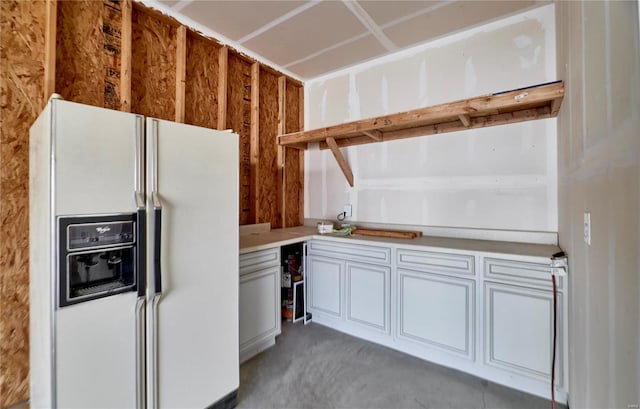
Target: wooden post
342, 162
282, 177
223, 56
181, 69
125, 61
50, 50
301, 164
254, 143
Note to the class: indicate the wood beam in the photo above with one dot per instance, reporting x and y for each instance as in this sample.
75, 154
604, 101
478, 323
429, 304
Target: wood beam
223, 57
181, 70
451, 126
254, 143
342, 162
282, 117
50, 50
465, 119
373, 134
125, 57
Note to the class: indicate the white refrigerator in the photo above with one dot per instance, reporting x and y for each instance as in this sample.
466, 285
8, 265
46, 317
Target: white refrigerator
133, 261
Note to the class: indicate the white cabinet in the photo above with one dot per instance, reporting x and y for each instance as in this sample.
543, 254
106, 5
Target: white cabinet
437, 311
325, 277
518, 319
259, 318
368, 295
484, 313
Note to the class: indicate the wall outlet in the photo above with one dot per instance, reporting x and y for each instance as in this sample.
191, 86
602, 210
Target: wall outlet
347, 210
587, 228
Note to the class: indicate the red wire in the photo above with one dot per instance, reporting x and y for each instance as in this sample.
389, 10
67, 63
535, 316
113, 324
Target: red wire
553, 359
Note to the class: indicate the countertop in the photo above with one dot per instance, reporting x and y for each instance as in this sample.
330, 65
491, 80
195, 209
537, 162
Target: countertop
281, 237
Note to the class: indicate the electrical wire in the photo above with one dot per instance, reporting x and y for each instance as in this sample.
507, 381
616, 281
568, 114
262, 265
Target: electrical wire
341, 216
555, 331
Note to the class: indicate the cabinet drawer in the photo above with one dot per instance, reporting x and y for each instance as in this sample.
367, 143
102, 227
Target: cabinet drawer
258, 260
519, 272
348, 251
436, 262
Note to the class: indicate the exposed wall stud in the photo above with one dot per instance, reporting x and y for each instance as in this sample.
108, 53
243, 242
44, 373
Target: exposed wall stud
254, 146
125, 61
50, 50
282, 104
223, 56
181, 69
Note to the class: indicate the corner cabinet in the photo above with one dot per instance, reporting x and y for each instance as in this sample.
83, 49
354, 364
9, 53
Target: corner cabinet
483, 313
259, 297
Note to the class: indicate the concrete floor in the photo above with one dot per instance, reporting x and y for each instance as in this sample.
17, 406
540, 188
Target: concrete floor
316, 367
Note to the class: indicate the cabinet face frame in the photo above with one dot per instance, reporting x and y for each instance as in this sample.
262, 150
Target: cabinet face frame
469, 286
385, 271
492, 288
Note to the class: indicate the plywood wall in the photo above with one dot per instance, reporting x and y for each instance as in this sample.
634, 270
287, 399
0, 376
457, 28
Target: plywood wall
269, 209
239, 119
153, 65
21, 86
91, 43
201, 81
294, 158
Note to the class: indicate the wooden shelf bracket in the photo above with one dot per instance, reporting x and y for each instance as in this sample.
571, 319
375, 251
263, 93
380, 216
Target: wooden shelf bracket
342, 162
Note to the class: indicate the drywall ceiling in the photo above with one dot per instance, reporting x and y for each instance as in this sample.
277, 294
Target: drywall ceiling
311, 38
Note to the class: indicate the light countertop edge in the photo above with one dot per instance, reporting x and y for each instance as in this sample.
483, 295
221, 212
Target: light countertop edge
280, 237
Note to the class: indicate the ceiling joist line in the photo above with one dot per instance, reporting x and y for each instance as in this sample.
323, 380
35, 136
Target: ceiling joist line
370, 24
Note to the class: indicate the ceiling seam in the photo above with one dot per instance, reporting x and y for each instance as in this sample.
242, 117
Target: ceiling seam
364, 17
278, 21
417, 14
180, 5
331, 47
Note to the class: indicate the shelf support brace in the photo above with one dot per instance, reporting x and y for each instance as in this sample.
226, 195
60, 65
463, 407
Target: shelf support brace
465, 119
344, 166
374, 134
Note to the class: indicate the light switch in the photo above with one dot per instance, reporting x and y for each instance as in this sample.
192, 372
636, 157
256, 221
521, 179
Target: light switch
587, 228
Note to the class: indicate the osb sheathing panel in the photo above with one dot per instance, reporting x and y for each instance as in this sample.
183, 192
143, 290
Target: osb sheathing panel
153, 66
88, 52
201, 98
293, 167
239, 119
268, 209
21, 86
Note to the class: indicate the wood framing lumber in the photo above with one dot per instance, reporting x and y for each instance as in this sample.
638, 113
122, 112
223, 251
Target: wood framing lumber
342, 162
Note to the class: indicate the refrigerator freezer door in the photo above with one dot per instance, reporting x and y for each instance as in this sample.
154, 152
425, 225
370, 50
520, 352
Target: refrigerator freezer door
192, 175
95, 171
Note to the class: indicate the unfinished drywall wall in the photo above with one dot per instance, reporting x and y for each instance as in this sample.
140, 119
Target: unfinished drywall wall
496, 178
21, 86
599, 172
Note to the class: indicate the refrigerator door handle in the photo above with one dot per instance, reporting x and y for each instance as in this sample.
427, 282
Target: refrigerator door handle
157, 242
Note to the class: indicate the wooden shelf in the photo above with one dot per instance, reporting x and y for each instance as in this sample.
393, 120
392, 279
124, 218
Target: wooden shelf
525, 104
508, 107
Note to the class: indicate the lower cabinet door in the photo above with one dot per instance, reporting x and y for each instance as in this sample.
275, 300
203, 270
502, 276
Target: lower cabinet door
325, 285
518, 328
368, 295
437, 311
259, 305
